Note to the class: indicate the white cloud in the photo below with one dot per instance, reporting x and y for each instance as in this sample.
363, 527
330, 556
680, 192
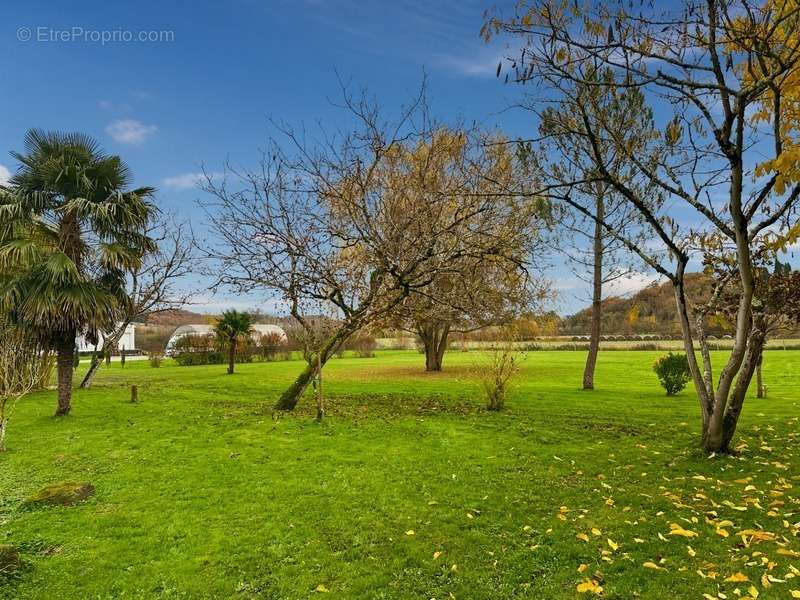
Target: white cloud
5, 175
631, 283
184, 181
187, 181
480, 61
475, 66
130, 131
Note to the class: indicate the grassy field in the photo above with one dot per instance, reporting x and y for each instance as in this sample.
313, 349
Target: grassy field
409, 489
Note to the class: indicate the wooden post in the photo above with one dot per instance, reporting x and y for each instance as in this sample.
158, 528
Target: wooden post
134, 393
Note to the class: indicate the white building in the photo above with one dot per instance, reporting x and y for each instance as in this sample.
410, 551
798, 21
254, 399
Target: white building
127, 341
256, 332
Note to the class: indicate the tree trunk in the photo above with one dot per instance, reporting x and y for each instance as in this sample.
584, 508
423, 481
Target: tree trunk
294, 392
725, 404
3, 427
66, 357
320, 397
755, 349
597, 295
761, 390
94, 366
231, 355
434, 340
109, 343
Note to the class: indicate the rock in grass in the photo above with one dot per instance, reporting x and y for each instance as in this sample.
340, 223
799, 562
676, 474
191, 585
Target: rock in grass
10, 562
65, 493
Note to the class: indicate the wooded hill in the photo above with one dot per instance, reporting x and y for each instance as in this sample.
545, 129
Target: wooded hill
649, 311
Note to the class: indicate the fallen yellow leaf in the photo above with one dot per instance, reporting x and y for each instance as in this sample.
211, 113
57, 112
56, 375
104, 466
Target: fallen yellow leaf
652, 565
590, 585
725, 523
676, 529
737, 578
321, 588
612, 544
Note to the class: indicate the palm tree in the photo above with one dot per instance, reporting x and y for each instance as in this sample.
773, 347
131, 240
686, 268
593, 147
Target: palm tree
232, 325
70, 232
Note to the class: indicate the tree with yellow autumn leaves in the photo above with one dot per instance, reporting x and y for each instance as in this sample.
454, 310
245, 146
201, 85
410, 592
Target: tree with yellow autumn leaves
722, 80
354, 225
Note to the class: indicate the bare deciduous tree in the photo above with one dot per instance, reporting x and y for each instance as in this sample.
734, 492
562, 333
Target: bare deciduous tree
155, 285
359, 220
597, 257
22, 362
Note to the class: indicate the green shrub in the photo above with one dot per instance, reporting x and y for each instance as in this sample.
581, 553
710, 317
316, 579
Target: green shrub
672, 370
155, 359
191, 359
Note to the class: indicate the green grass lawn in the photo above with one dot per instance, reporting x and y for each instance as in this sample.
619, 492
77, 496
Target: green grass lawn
409, 489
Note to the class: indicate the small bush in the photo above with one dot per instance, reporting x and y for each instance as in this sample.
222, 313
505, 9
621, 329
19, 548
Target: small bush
155, 358
191, 359
672, 370
270, 344
503, 365
194, 343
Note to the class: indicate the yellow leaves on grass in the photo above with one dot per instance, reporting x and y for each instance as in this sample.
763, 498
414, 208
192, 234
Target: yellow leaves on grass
731, 505
675, 529
321, 589
734, 523
590, 586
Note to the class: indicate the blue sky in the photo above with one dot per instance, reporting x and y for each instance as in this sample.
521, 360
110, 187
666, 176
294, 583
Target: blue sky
203, 93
